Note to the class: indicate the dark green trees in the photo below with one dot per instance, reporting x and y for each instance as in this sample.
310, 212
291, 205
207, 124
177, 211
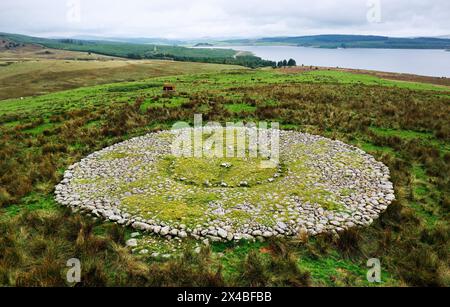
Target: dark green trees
286, 63
291, 63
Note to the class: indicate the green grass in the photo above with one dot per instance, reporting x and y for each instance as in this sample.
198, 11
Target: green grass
33, 202
404, 134
371, 148
40, 129
238, 108
427, 138
424, 202
325, 76
11, 123
332, 270
172, 102
361, 110
187, 211
198, 171
98, 95
233, 253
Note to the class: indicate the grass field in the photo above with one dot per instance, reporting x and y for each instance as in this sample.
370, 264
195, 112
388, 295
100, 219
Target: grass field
29, 52
32, 70
404, 124
30, 77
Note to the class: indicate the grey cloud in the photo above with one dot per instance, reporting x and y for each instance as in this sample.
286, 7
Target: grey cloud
221, 18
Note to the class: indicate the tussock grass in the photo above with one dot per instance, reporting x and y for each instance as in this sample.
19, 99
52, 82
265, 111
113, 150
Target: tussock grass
405, 127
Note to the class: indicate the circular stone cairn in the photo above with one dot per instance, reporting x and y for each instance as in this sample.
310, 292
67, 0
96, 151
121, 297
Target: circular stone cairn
319, 186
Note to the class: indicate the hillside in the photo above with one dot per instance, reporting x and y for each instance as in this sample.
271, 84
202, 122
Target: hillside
38, 77
13, 52
142, 51
348, 41
403, 124
29, 69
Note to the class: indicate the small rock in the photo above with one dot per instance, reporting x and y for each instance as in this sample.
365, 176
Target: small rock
165, 231
243, 184
230, 236
267, 234
282, 225
115, 218
132, 243
257, 233
141, 226
222, 233
156, 229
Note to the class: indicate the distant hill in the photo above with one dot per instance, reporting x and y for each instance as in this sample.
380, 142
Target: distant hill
204, 45
348, 41
120, 49
133, 40
143, 51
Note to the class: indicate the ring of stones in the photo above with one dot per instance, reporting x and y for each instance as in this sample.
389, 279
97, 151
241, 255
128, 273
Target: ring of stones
320, 185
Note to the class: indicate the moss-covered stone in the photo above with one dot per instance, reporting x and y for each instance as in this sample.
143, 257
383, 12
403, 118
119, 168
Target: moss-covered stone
318, 185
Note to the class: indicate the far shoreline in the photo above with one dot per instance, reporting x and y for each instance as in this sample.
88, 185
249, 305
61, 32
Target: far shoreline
418, 62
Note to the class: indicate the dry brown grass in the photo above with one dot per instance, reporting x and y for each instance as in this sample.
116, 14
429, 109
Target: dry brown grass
33, 70
33, 52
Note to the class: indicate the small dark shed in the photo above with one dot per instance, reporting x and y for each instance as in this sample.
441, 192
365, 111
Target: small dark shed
168, 88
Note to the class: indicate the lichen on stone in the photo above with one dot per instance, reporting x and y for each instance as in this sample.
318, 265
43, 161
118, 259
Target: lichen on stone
319, 185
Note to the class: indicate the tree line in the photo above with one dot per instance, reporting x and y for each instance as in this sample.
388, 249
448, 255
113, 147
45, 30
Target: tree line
247, 60
287, 63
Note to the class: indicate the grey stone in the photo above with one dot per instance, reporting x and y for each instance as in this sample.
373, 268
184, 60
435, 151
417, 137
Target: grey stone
267, 234
222, 233
257, 233
115, 218
157, 229
132, 243
141, 226
164, 231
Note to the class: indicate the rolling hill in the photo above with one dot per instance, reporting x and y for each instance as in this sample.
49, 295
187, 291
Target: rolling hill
30, 70
142, 51
348, 41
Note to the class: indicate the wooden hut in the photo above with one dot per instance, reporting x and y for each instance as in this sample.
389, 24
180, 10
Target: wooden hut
168, 88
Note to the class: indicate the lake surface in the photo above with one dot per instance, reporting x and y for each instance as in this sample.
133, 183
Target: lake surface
421, 62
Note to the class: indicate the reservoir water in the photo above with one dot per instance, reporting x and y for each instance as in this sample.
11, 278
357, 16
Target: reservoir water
414, 61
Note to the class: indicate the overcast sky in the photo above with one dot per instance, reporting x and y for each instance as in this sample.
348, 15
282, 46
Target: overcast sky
224, 18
